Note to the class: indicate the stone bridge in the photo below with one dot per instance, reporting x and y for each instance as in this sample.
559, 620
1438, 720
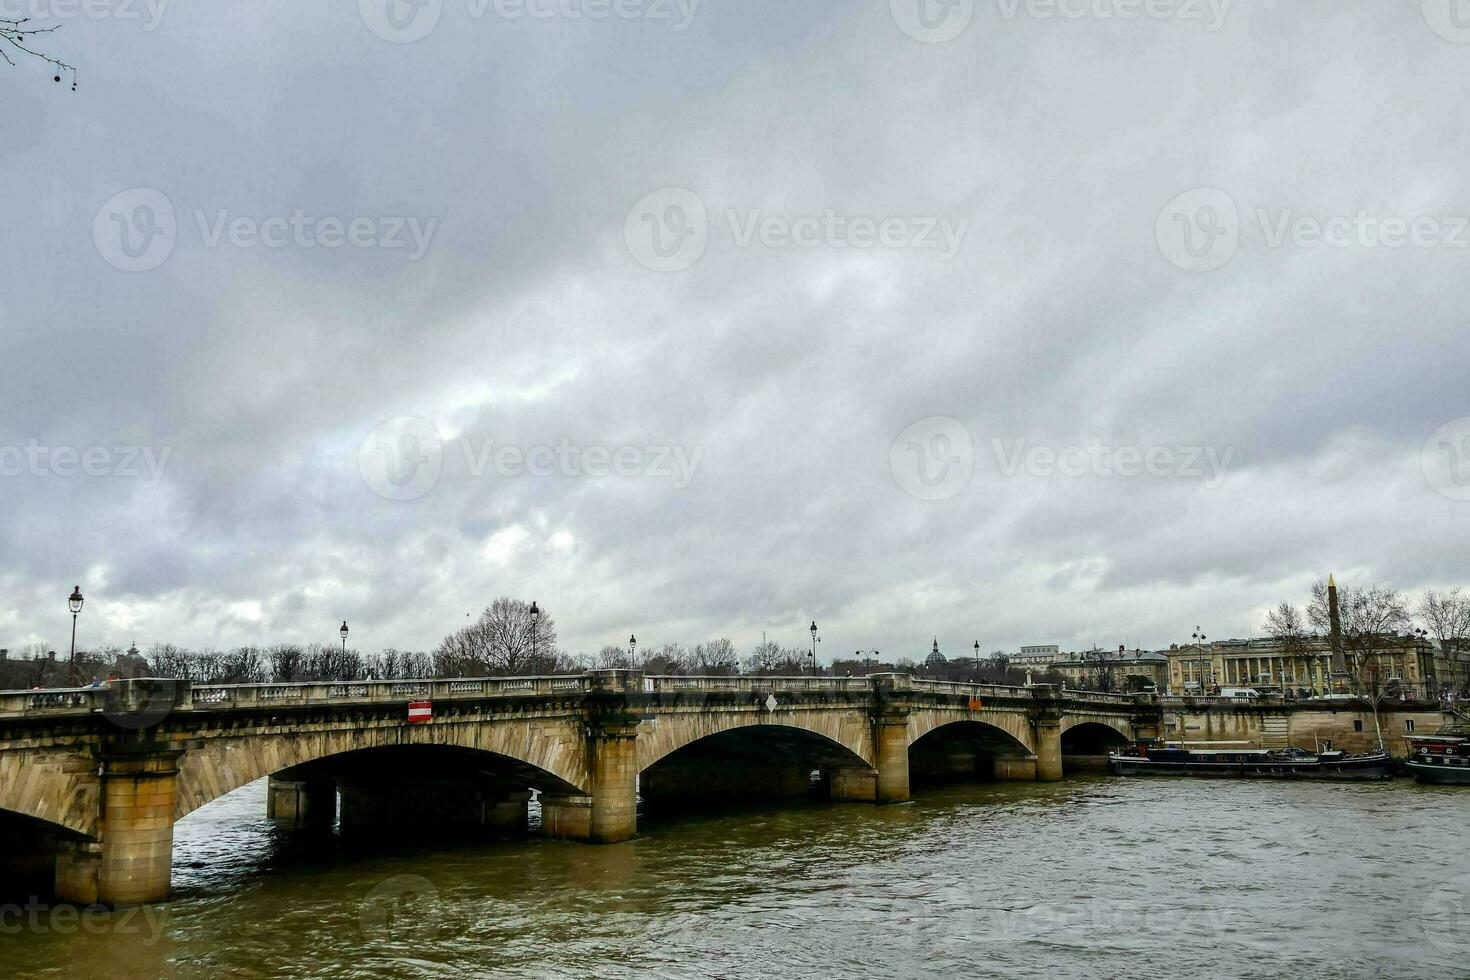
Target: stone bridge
92, 781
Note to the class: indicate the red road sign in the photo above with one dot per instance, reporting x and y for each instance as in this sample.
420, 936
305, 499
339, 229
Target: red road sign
420, 712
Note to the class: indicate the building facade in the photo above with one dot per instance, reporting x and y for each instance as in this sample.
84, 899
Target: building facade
1414, 667
1120, 670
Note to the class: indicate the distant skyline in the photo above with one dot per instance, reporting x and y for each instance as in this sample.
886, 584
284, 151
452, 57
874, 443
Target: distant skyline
1009, 327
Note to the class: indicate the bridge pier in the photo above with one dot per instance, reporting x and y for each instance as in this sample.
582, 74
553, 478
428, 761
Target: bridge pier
1048, 750
133, 862
1015, 769
891, 745
299, 803
609, 813
853, 785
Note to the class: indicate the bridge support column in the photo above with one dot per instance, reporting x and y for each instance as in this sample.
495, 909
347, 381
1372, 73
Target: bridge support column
1046, 727
1015, 769
853, 785
76, 875
891, 737
608, 814
134, 860
614, 784
297, 804
1048, 751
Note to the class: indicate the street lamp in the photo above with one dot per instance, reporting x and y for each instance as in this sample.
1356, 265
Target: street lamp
1426, 664
633, 650
815, 640
535, 618
343, 631
1199, 664
74, 603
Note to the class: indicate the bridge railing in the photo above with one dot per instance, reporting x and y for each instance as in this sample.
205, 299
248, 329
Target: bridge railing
1101, 697
963, 689
339, 692
674, 683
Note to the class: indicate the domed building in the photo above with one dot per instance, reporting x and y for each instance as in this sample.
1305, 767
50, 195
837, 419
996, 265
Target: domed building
935, 658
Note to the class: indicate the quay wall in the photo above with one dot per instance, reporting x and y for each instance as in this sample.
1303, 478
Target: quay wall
1349, 725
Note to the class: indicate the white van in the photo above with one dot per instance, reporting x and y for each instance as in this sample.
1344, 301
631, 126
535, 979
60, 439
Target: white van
1240, 693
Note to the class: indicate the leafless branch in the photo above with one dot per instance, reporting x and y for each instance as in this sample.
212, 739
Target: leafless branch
17, 34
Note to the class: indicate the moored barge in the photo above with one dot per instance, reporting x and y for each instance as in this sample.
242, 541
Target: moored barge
1442, 758
1289, 763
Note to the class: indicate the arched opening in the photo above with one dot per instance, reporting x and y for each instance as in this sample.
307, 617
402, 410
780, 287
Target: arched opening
442, 789
754, 763
1085, 747
968, 751
28, 857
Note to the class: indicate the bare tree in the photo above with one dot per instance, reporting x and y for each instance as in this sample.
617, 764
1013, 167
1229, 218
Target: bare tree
1287, 625
614, 658
17, 35
1447, 617
717, 658
167, 660
243, 665
286, 662
505, 640
1370, 618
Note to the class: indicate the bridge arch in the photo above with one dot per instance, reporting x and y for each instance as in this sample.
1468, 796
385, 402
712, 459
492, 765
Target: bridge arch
548, 758
1013, 725
1086, 743
1116, 730
757, 756
849, 731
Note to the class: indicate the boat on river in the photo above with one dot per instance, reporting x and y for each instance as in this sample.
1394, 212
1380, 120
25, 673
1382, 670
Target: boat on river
1442, 758
1288, 763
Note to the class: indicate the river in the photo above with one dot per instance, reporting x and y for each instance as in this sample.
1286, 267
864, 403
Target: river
1092, 876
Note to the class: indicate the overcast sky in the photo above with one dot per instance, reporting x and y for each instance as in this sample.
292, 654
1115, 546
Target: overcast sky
980, 321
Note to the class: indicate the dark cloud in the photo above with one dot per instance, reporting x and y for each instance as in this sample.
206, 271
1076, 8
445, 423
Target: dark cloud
787, 372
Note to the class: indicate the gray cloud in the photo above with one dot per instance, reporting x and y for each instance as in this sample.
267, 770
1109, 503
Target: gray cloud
792, 370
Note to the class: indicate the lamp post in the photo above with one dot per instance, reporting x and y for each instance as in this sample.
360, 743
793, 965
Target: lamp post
535, 621
74, 603
814, 647
343, 631
633, 650
1426, 664
1199, 664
